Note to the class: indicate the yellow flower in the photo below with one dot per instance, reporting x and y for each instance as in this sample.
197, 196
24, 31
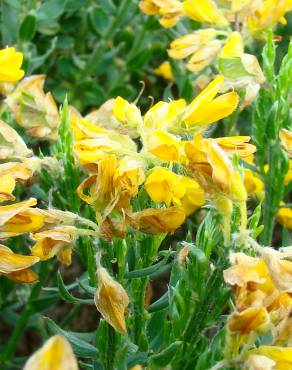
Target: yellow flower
55, 242
202, 45
281, 357
163, 145
163, 115
128, 114
16, 266
165, 71
169, 10
11, 144
251, 319
206, 109
10, 63
204, 11
254, 285
55, 354
111, 300
237, 65
286, 140
115, 183
35, 110
267, 15
284, 217
157, 221
165, 186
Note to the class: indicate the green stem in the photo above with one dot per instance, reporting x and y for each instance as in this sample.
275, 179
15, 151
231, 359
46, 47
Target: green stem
111, 348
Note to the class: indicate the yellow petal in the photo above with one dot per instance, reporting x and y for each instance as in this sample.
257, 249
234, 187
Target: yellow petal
204, 11
163, 145
10, 63
233, 47
164, 186
55, 354
214, 110
11, 262
251, 319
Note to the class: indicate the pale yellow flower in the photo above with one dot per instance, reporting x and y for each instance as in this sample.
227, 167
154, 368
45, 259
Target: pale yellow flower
34, 109
12, 172
10, 63
55, 354
11, 144
201, 45
236, 65
281, 357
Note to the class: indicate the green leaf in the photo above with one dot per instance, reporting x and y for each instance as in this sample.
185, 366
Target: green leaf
98, 21
10, 10
80, 347
165, 357
147, 271
160, 304
27, 28
66, 296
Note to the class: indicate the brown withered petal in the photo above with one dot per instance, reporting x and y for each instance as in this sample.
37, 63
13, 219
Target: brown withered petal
157, 220
55, 354
111, 227
111, 300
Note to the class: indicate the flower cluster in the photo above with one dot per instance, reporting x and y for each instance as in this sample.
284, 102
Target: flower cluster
262, 288
226, 27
